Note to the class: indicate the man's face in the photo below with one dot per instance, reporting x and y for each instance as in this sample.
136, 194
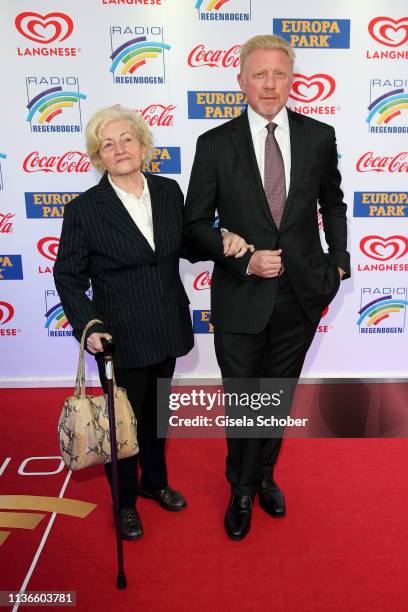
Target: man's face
266, 80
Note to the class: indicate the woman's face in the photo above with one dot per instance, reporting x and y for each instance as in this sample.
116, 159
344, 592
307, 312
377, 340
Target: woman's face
120, 151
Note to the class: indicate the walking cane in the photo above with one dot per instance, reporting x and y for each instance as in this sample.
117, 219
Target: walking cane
108, 348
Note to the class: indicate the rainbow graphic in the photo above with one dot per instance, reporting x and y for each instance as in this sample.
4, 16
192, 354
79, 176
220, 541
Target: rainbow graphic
380, 309
388, 106
212, 4
134, 54
51, 103
56, 314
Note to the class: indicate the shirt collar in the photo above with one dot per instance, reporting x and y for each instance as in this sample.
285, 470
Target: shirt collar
258, 123
122, 194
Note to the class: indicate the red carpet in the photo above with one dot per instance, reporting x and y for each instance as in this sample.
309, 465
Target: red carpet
341, 547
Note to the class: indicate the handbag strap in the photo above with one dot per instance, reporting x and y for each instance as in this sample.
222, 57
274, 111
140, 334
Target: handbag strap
80, 390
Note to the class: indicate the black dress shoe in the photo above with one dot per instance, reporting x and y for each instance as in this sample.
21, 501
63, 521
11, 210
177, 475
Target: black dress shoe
237, 519
130, 524
271, 499
167, 498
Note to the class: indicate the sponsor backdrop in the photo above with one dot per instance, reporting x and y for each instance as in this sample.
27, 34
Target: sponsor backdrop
175, 62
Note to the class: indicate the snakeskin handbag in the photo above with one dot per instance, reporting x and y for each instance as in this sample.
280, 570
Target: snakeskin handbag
83, 427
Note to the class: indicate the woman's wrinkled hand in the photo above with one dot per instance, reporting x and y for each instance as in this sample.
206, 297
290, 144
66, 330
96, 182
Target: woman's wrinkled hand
94, 344
235, 246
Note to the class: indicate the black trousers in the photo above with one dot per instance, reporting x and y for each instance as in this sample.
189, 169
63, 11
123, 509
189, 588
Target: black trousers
141, 389
278, 351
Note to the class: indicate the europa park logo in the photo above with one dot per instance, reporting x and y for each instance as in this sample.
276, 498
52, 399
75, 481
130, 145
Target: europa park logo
44, 30
389, 33
309, 92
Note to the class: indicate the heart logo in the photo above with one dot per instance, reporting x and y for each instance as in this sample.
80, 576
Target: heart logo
390, 32
44, 28
383, 249
311, 88
6, 312
48, 247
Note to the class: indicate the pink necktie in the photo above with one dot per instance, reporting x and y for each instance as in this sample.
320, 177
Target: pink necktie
274, 176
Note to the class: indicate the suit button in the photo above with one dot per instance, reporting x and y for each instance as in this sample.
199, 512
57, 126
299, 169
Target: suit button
153, 264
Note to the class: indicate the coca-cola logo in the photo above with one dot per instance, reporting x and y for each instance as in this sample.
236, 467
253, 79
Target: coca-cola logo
200, 56
6, 225
72, 161
310, 88
389, 32
44, 28
203, 281
369, 162
48, 247
6, 312
382, 249
158, 115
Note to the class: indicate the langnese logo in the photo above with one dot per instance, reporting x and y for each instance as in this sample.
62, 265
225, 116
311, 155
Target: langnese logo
324, 327
200, 57
215, 104
3, 156
71, 162
314, 33
382, 310
380, 204
387, 111
392, 35
54, 103
6, 315
48, 248
158, 115
56, 323
138, 55
309, 93
201, 322
166, 160
45, 30
6, 223
392, 164
11, 267
384, 251
47, 205
202, 281
223, 10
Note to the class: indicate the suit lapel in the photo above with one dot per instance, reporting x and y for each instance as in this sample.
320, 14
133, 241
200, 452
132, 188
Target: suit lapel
297, 152
244, 146
115, 213
158, 210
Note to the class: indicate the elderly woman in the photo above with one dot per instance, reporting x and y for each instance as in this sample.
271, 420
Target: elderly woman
124, 236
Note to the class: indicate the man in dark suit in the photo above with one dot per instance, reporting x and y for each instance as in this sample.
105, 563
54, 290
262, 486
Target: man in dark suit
124, 236
264, 173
